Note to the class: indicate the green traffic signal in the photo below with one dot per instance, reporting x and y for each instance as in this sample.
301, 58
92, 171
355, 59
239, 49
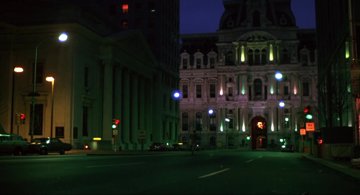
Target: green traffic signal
309, 116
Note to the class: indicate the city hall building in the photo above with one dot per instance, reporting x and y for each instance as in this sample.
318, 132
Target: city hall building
230, 95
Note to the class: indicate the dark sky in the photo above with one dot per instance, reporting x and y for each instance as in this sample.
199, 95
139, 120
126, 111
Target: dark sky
202, 16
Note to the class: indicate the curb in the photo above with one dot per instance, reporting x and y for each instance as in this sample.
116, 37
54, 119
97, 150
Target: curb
348, 170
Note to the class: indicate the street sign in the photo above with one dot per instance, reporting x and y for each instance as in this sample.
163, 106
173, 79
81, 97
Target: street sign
302, 131
115, 132
310, 126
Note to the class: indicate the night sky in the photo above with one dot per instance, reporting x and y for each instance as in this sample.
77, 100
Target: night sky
202, 16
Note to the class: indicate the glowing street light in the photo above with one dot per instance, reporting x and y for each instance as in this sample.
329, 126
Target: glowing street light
176, 95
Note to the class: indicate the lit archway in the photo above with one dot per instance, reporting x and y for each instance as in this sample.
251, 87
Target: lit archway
258, 133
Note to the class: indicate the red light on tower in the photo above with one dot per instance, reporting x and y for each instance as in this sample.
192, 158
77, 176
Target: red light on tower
125, 8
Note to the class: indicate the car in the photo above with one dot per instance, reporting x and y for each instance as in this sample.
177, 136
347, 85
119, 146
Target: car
158, 147
47, 145
13, 144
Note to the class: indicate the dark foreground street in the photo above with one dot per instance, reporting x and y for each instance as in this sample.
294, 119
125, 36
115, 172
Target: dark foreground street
206, 172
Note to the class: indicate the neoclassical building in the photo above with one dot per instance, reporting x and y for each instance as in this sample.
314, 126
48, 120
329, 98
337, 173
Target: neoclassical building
232, 73
103, 72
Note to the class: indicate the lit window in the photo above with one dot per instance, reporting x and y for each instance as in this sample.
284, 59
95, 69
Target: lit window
260, 125
125, 8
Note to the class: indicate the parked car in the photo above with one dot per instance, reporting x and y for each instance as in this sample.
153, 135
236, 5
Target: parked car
13, 144
158, 147
48, 145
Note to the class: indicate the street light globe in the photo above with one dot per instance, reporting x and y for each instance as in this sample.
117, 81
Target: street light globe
18, 69
278, 75
63, 37
282, 104
211, 111
176, 95
50, 79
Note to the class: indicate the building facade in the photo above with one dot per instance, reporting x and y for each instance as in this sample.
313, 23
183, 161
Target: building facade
230, 96
339, 70
102, 72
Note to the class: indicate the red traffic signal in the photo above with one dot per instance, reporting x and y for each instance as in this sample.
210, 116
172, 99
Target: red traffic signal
22, 118
306, 109
116, 121
320, 141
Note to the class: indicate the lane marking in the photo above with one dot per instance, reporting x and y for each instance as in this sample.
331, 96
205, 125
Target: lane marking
110, 165
213, 173
249, 161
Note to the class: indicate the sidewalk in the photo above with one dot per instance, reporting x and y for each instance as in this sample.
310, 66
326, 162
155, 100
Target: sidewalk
338, 165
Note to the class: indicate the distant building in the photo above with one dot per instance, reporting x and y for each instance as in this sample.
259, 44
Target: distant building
103, 72
232, 73
338, 28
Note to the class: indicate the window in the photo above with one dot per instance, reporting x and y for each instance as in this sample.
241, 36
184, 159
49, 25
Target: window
258, 87
125, 8
185, 91
185, 63
250, 57
229, 58
38, 119
304, 59
306, 89
185, 121
198, 91
85, 121
230, 91
198, 63
213, 122
285, 57
257, 57
59, 132
263, 57
286, 90
212, 91
212, 62
198, 121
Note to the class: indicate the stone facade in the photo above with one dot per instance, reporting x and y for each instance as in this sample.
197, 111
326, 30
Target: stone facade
233, 71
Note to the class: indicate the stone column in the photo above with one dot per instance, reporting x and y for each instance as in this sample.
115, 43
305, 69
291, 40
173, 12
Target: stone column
107, 100
134, 111
126, 109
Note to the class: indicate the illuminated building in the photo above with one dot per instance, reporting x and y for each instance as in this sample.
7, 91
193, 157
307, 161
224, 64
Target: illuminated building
233, 71
103, 72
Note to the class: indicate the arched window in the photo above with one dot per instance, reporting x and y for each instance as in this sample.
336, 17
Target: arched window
285, 56
263, 57
257, 57
229, 59
250, 57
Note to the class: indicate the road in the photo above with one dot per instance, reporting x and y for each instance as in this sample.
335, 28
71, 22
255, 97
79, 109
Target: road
206, 172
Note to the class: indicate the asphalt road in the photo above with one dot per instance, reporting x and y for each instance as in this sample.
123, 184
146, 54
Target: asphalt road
206, 172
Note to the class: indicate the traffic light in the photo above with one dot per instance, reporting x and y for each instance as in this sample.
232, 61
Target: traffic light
307, 112
320, 141
115, 123
22, 118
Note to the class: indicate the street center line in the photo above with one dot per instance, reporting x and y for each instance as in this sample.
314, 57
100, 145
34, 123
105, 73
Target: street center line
213, 173
249, 161
110, 165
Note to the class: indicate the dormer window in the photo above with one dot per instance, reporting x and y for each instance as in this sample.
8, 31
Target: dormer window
198, 63
185, 63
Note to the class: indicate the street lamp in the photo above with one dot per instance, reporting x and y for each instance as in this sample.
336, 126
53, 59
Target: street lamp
62, 38
17, 69
52, 80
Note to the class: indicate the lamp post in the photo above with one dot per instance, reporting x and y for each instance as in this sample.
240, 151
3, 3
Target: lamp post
52, 80
278, 77
62, 38
17, 69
